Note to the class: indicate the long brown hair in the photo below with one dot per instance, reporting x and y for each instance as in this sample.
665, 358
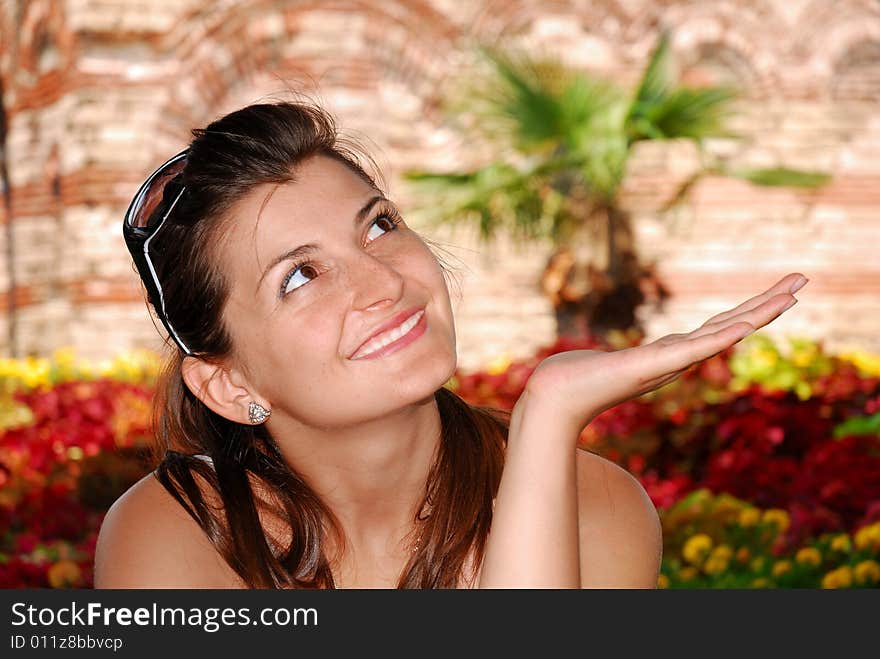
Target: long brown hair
260, 144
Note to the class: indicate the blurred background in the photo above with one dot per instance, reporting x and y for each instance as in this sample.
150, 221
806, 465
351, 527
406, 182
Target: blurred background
597, 174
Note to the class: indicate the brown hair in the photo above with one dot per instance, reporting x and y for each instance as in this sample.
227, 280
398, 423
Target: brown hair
260, 144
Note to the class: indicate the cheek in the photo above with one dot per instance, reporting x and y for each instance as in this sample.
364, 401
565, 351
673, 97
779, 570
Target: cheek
306, 346
288, 357
298, 367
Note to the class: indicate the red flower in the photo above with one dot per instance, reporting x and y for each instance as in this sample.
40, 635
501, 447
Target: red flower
26, 542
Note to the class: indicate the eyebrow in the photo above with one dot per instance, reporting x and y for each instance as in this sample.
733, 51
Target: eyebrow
311, 247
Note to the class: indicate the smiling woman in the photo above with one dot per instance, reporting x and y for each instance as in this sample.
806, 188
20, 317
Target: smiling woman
305, 436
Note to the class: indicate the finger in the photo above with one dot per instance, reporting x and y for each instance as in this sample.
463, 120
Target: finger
784, 285
757, 317
683, 354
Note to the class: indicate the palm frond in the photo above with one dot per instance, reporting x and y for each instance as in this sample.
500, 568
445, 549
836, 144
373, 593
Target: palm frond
661, 109
686, 113
657, 78
683, 191
590, 107
781, 177
524, 95
498, 196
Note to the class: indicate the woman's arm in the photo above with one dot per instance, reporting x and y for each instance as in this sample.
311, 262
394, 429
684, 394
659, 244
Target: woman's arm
534, 541
147, 540
621, 540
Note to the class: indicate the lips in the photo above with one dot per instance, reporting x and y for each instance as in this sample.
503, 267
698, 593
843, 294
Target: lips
391, 323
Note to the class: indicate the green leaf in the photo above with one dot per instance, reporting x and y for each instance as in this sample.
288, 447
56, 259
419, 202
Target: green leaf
859, 425
657, 77
662, 110
524, 94
782, 177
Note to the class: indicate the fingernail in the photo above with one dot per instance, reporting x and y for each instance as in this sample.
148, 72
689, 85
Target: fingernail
789, 305
798, 285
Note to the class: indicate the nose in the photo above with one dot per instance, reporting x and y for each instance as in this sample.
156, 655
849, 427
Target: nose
375, 282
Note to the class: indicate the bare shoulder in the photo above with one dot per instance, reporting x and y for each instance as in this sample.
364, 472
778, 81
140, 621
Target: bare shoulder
621, 539
147, 540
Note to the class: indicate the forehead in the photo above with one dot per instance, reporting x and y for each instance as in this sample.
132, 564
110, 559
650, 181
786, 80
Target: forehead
318, 183
322, 189
323, 193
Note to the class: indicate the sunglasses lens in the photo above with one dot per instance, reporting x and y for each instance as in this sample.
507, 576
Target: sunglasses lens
156, 196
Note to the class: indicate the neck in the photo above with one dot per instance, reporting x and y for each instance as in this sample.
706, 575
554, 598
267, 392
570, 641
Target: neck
372, 475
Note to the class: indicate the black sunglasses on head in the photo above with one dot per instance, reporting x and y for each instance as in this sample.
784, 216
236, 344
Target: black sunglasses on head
146, 214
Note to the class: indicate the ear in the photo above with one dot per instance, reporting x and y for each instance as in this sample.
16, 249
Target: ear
221, 389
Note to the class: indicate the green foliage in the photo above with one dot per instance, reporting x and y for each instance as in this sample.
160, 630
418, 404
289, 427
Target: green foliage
562, 140
859, 425
662, 110
760, 360
781, 177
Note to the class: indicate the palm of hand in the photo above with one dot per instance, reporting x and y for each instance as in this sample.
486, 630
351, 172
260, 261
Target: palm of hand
581, 384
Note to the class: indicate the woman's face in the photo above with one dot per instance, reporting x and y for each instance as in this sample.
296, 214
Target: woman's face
301, 324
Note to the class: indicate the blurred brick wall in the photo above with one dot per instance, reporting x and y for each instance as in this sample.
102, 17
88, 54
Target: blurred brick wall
99, 92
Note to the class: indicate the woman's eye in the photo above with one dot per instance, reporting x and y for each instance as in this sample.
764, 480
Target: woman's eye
300, 275
303, 274
389, 223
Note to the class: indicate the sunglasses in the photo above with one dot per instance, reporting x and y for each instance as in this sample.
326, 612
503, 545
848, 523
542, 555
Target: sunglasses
145, 216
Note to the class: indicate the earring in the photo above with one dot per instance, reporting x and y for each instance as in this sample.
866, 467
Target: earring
257, 413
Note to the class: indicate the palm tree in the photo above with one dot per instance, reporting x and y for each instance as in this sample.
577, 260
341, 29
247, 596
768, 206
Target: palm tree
561, 140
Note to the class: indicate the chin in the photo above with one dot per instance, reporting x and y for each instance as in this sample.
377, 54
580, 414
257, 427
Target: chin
432, 377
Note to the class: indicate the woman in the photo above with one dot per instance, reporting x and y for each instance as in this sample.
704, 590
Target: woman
307, 439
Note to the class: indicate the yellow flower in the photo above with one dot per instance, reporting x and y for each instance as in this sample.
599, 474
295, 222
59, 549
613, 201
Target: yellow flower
757, 563
64, 574
839, 578
868, 537
132, 366
687, 573
749, 517
743, 555
764, 359
867, 572
715, 564
498, 365
723, 551
803, 390
808, 556
760, 582
841, 543
780, 568
724, 506
867, 364
697, 548
801, 358
34, 372
778, 517
662, 581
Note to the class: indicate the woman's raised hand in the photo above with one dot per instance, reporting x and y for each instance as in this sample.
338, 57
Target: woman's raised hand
578, 385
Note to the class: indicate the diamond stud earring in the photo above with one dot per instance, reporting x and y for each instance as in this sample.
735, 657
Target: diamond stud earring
257, 413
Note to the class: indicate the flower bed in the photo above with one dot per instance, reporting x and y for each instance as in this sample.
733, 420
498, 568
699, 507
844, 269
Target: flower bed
764, 464
73, 437
792, 432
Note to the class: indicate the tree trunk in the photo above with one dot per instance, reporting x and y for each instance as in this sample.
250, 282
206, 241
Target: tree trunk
591, 301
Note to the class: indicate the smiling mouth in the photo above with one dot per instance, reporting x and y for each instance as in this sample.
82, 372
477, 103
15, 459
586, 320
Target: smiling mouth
393, 338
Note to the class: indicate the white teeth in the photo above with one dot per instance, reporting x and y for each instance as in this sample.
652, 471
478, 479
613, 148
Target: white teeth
390, 336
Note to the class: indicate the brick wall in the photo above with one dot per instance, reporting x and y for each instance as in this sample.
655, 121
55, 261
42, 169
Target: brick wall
99, 92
